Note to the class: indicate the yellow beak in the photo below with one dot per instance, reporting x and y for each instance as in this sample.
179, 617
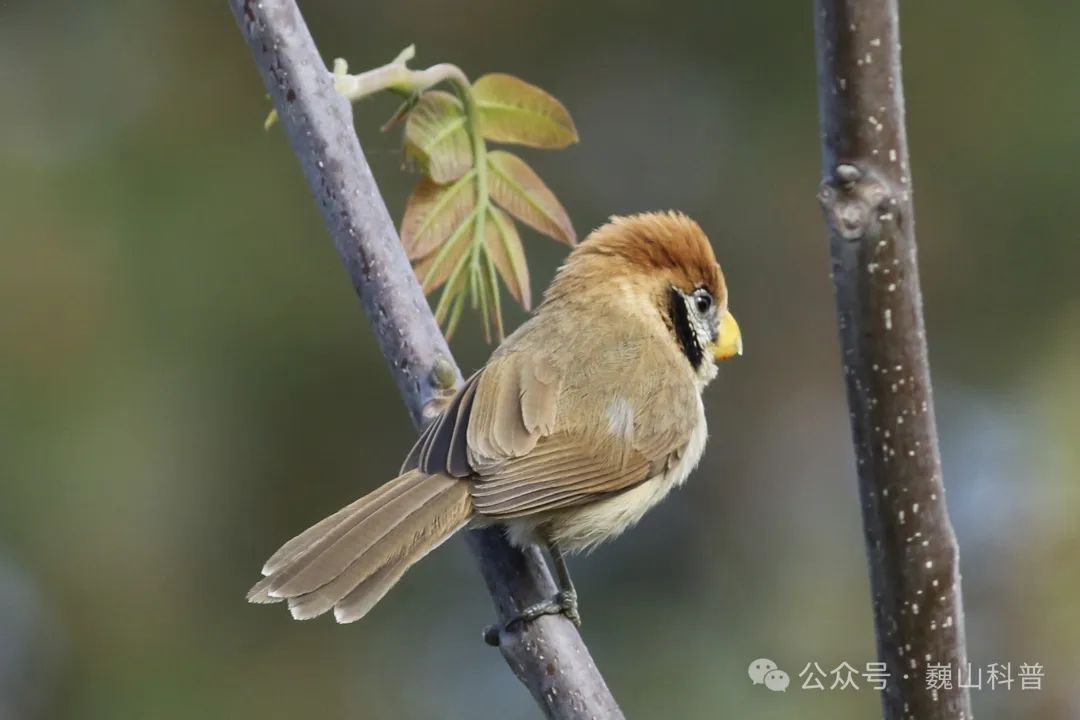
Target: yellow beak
728, 338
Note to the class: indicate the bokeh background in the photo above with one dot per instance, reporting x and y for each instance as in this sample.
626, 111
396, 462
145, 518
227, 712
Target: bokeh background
186, 378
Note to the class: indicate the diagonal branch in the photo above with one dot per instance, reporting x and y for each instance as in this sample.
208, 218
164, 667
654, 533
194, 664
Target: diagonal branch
548, 655
866, 195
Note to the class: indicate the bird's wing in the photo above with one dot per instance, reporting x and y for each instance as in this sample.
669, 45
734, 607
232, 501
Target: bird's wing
442, 448
516, 404
499, 413
561, 471
534, 435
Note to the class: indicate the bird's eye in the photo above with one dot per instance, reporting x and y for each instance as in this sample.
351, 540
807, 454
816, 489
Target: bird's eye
702, 301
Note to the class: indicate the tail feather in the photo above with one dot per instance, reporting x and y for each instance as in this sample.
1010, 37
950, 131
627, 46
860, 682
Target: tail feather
386, 561
332, 554
321, 530
353, 561
371, 590
364, 596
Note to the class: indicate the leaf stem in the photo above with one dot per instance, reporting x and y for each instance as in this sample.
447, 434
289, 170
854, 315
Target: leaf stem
395, 76
483, 200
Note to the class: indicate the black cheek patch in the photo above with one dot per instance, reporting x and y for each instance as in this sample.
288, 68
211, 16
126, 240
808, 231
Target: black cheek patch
684, 331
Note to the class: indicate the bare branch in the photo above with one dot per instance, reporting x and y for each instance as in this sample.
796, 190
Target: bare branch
547, 655
866, 196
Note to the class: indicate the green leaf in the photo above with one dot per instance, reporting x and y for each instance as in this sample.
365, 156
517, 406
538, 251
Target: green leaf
433, 270
493, 284
454, 295
522, 193
436, 136
478, 286
455, 315
503, 245
434, 211
513, 111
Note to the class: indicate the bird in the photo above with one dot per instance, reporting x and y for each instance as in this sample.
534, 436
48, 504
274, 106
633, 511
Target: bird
583, 419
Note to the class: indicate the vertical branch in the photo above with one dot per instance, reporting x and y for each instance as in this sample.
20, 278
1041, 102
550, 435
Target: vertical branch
866, 196
547, 655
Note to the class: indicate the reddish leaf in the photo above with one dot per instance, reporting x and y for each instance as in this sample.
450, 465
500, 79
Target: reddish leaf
433, 270
522, 193
434, 211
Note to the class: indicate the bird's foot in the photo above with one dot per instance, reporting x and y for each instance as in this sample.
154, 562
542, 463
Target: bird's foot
565, 603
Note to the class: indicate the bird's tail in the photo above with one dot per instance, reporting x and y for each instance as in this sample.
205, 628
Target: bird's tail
352, 558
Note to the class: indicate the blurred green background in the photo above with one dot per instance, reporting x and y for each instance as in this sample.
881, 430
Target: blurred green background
186, 379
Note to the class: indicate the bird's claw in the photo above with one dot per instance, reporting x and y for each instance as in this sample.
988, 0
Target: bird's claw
565, 603
567, 599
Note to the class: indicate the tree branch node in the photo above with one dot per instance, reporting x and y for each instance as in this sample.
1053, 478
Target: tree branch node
858, 202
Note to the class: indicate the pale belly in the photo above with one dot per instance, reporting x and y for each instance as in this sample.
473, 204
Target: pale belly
579, 528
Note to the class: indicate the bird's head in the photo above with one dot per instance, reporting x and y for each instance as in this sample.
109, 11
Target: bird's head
662, 262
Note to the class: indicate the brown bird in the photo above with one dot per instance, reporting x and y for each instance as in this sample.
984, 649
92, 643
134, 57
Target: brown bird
582, 420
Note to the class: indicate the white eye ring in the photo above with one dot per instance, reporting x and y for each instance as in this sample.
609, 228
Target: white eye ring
703, 301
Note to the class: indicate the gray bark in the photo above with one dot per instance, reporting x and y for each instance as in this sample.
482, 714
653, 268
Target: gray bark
866, 196
548, 656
